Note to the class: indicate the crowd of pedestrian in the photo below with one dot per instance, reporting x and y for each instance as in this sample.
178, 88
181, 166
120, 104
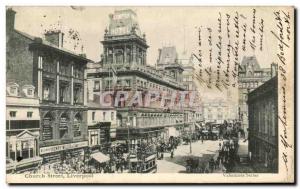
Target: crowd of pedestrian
228, 135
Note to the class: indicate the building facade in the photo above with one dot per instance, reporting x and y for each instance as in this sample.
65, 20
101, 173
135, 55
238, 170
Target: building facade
251, 76
22, 128
188, 80
124, 68
102, 124
263, 125
58, 79
215, 110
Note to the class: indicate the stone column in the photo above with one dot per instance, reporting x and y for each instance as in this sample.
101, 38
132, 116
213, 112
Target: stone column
84, 89
16, 148
29, 150
145, 57
134, 50
57, 83
70, 122
125, 54
20, 141
56, 125
8, 148
114, 55
40, 77
72, 84
105, 54
34, 148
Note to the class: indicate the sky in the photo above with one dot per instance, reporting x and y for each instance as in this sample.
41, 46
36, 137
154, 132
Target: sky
163, 26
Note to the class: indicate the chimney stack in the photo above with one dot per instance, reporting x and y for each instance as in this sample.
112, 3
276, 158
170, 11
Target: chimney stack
159, 53
55, 37
10, 19
274, 69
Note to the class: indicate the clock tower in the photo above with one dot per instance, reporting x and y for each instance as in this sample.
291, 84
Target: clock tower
123, 43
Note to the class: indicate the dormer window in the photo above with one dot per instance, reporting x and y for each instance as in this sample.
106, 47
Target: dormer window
28, 90
12, 89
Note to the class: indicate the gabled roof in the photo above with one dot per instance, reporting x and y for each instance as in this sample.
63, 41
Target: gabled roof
167, 55
250, 61
26, 134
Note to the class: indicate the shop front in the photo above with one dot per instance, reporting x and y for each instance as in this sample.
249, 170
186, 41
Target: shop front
136, 136
99, 135
60, 152
22, 153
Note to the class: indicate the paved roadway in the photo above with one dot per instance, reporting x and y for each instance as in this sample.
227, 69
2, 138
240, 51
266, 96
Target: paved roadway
176, 164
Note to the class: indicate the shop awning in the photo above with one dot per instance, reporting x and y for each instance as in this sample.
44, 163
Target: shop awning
197, 125
100, 157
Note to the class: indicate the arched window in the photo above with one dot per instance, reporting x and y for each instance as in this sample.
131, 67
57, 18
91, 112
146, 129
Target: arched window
119, 56
128, 55
77, 125
47, 129
63, 125
172, 73
110, 56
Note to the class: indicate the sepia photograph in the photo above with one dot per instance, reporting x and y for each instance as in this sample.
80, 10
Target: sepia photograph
149, 94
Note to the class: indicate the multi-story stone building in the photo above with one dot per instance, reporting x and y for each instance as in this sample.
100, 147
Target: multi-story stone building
251, 75
101, 125
183, 70
101, 120
22, 128
263, 126
124, 68
57, 76
188, 79
215, 110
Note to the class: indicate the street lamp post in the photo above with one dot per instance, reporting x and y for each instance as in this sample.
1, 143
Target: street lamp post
128, 145
190, 139
128, 140
185, 119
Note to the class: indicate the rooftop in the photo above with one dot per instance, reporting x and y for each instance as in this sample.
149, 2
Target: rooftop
37, 40
123, 22
167, 55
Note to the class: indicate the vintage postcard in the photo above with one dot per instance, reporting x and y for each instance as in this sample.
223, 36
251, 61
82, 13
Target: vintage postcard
150, 94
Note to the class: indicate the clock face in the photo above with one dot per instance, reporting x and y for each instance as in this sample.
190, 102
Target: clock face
121, 16
120, 30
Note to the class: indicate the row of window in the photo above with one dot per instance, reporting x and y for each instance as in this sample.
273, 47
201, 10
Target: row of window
249, 84
64, 92
120, 56
48, 66
63, 127
188, 78
14, 114
256, 74
126, 82
151, 85
13, 90
112, 116
219, 116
